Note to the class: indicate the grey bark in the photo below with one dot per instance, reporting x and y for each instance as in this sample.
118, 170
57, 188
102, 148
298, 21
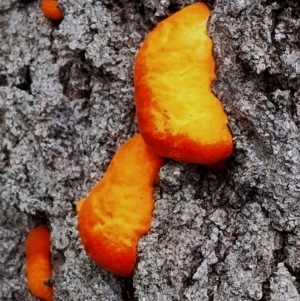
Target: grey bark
66, 105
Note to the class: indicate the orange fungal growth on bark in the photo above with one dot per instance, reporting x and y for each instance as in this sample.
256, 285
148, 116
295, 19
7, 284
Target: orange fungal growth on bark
119, 208
38, 263
51, 10
178, 115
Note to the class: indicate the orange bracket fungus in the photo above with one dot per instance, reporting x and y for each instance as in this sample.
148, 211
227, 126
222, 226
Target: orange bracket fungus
119, 208
178, 115
38, 264
51, 10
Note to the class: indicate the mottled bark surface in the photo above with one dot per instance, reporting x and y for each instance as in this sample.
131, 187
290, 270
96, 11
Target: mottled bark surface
66, 105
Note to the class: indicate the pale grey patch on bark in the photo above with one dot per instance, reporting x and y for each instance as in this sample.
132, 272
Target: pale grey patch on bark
282, 285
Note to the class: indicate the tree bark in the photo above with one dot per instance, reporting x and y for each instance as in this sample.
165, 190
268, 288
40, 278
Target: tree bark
66, 106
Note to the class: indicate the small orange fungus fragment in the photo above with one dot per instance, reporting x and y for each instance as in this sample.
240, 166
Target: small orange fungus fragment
178, 115
38, 264
51, 10
119, 208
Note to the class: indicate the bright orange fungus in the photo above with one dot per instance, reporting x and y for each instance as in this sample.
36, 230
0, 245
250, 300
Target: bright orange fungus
119, 208
178, 115
51, 10
38, 264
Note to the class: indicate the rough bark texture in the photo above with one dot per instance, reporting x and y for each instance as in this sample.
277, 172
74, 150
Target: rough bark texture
66, 105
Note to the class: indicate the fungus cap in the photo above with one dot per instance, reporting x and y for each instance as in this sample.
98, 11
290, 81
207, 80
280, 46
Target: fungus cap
38, 264
118, 210
178, 115
51, 10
